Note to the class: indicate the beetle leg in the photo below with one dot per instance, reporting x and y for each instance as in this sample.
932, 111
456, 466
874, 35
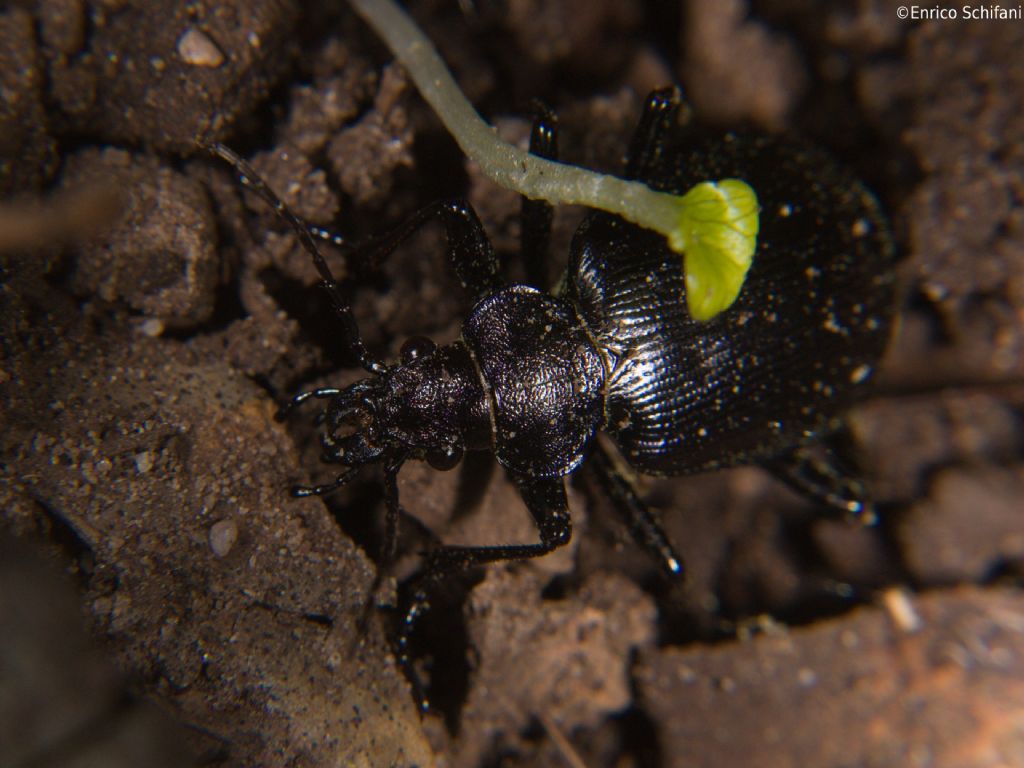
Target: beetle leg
647, 145
393, 511
818, 473
642, 523
545, 498
469, 249
535, 215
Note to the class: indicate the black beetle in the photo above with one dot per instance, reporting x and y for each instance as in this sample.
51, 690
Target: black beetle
534, 377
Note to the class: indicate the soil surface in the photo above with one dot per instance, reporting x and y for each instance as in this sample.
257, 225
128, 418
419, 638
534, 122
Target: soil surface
166, 602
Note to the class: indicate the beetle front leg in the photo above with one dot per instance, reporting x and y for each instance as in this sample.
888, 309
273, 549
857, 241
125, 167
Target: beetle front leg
389, 547
546, 500
469, 249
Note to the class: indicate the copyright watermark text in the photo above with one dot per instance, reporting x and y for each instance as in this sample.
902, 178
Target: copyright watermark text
963, 12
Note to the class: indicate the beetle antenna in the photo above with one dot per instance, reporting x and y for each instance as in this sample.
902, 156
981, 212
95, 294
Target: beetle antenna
306, 234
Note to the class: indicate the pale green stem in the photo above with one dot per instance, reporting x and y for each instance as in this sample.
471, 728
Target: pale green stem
507, 165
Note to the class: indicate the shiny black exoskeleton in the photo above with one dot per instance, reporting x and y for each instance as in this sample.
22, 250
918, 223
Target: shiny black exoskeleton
534, 377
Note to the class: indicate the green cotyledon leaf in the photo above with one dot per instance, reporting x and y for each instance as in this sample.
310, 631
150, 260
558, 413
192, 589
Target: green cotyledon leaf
717, 235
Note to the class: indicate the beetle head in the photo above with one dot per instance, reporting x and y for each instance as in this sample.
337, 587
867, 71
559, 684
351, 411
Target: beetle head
430, 406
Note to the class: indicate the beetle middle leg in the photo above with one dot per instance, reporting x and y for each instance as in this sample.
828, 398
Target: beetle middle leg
643, 525
535, 216
646, 148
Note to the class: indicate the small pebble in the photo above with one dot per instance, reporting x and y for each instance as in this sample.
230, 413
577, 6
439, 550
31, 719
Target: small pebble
152, 327
143, 462
901, 609
198, 49
223, 535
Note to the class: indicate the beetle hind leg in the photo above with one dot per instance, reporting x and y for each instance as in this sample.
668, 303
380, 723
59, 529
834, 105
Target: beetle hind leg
819, 473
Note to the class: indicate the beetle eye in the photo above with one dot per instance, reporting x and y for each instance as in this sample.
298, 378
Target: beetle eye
445, 458
415, 348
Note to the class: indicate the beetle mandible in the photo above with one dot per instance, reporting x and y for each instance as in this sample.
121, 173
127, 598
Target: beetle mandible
534, 377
